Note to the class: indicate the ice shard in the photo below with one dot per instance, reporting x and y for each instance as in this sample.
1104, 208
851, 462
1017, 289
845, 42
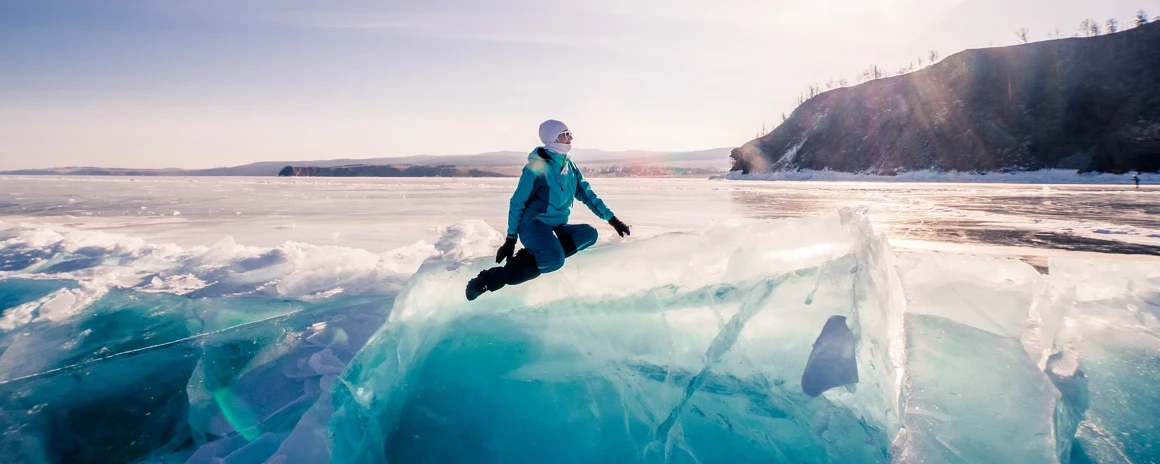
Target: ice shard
1107, 365
975, 388
686, 347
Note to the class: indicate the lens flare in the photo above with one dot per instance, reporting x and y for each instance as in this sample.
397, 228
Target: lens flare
237, 413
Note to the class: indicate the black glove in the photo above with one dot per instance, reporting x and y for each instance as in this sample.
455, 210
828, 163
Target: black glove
506, 251
620, 227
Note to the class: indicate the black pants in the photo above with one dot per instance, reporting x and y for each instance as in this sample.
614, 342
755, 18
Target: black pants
524, 267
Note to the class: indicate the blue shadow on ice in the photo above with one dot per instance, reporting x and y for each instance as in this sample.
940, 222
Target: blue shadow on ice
158, 377
15, 292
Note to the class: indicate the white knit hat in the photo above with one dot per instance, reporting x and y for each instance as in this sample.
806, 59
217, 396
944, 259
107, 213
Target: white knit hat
550, 130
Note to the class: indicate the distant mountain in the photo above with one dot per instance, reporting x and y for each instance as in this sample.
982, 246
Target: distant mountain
397, 170
455, 165
401, 170
1090, 104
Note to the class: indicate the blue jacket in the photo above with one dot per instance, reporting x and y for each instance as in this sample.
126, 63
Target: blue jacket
546, 190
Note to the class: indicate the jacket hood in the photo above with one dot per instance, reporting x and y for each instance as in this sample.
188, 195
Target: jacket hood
535, 155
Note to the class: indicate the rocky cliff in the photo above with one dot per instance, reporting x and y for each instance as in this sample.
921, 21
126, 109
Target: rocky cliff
1090, 104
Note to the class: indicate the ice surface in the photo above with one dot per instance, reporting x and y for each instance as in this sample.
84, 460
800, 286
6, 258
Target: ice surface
1003, 296
973, 396
1113, 333
681, 347
976, 391
61, 378
992, 295
102, 260
116, 350
678, 348
382, 214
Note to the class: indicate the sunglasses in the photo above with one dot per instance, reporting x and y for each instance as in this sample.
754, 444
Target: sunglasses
566, 133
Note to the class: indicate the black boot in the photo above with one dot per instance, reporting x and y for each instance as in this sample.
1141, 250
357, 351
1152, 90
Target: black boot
477, 286
518, 269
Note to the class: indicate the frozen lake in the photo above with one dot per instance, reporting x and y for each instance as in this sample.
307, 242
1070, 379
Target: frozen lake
304, 320
379, 214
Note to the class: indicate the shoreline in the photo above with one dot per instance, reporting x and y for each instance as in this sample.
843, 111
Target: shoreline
1045, 176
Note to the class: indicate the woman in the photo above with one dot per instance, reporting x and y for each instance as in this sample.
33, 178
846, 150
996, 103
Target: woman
538, 216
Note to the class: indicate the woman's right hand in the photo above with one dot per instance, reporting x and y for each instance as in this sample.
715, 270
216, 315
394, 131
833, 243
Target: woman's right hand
506, 251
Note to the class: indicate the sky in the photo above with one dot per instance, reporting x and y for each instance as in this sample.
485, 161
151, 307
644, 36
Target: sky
206, 83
